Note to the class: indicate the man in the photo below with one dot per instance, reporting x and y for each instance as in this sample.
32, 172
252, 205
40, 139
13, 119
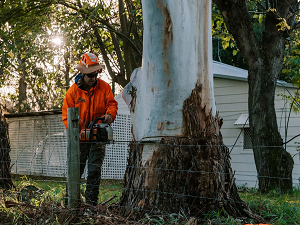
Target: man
94, 99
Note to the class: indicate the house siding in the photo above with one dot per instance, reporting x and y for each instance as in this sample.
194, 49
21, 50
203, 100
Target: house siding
232, 101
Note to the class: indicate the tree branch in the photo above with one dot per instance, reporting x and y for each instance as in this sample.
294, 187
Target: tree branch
296, 25
137, 38
119, 79
126, 44
261, 5
120, 34
118, 52
68, 5
291, 139
235, 14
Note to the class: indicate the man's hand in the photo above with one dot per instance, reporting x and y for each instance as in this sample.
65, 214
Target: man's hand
108, 119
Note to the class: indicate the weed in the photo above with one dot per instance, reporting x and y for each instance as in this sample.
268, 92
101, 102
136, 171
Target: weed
275, 207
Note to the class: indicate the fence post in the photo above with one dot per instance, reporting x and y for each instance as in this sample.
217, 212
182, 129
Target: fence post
73, 158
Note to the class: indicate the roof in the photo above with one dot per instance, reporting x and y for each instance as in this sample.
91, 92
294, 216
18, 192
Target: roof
40, 113
222, 70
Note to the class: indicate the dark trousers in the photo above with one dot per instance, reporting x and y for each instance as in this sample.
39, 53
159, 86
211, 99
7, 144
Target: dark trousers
94, 155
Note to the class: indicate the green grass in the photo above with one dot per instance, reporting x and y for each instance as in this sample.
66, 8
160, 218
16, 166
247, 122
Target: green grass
274, 207
49, 200
56, 188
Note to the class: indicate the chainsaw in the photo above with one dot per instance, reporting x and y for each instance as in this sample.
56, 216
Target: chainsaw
97, 132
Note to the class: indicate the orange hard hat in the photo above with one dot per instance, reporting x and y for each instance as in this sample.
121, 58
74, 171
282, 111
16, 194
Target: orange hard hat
89, 63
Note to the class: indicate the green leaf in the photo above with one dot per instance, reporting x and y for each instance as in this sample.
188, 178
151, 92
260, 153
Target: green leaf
260, 18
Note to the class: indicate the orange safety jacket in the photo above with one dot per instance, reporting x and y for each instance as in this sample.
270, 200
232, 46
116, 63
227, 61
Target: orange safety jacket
93, 104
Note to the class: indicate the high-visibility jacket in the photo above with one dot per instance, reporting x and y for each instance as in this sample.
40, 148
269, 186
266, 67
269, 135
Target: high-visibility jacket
93, 104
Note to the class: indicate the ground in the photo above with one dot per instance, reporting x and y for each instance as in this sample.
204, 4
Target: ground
47, 207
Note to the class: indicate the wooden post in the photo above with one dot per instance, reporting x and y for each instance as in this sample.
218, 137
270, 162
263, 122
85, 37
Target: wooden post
73, 158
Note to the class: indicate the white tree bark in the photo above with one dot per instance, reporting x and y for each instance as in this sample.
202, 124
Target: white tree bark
177, 55
171, 96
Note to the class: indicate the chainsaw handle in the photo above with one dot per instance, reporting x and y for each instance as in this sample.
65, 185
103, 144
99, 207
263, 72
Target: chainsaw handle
95, 121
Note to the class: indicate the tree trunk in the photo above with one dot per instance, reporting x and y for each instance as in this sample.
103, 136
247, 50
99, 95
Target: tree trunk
67, 56
177, 162
273, 163
126, 47
120, 78
5, 182
189, 174
22, 85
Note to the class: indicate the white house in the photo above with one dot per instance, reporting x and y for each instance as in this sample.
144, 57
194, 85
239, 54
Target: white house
38, 142
231, 94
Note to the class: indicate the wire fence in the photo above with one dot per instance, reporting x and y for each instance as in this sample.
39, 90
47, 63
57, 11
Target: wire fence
39, 157
247, 181
111, 191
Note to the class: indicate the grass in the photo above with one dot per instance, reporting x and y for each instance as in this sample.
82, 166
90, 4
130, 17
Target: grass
274, 207
43, 201
56, 187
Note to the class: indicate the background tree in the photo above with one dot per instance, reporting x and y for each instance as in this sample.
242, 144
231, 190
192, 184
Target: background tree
5, 177
224, 46
264, 59
26, 61
291, 67
110, 28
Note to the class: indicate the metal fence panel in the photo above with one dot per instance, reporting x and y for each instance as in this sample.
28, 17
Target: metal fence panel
39, 146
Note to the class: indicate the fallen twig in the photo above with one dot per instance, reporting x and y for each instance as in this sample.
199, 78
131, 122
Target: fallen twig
113, 197
9, 204
129, 214
70, 219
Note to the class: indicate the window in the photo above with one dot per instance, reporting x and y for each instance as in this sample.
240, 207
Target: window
247, 139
